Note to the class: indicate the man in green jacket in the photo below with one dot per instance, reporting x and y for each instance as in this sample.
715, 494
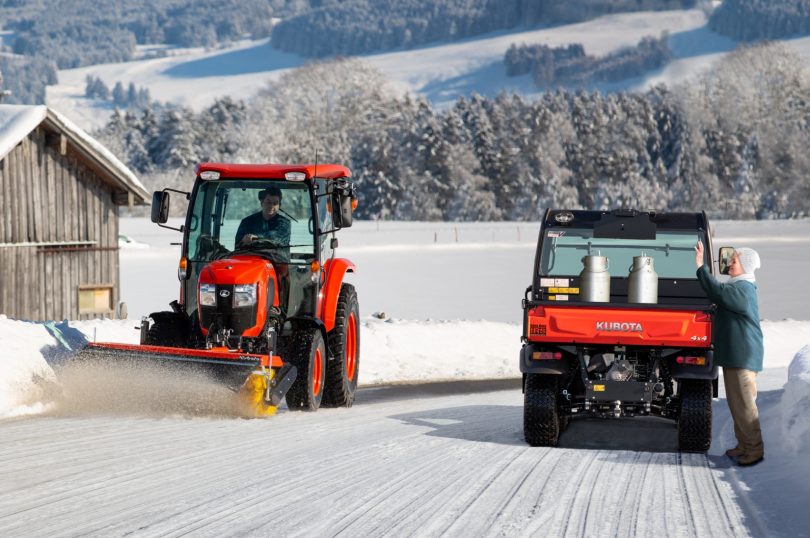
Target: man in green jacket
738, 347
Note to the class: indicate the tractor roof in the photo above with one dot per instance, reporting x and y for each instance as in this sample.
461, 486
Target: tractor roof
274, 171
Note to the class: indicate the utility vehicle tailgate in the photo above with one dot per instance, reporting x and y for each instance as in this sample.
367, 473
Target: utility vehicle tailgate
622, 326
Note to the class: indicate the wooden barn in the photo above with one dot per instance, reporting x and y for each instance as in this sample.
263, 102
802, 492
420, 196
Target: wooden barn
60, 193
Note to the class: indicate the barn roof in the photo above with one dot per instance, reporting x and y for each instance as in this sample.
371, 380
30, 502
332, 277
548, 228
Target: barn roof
17, 122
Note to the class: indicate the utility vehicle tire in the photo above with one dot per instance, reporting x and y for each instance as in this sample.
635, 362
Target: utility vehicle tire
695, 420
541, 417
564, 421
169, 329
307, 352
344, 343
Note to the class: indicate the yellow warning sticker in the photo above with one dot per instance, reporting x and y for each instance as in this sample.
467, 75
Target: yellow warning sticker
574, 291
599, 388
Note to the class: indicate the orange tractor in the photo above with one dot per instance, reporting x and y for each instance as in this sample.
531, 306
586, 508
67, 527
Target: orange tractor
263, 304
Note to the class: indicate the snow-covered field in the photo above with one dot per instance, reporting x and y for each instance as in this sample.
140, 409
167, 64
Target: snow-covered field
442, 72
451, 296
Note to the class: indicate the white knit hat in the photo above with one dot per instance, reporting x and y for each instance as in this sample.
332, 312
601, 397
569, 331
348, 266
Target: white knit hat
749, 259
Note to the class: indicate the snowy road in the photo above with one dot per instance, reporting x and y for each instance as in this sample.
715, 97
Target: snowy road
445, 459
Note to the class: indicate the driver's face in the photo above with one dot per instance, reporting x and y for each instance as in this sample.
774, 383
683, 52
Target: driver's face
270, 206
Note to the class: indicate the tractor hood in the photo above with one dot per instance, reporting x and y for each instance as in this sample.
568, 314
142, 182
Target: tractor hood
237, 270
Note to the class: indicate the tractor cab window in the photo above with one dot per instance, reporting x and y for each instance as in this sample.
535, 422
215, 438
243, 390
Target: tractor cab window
673, 252
268, 218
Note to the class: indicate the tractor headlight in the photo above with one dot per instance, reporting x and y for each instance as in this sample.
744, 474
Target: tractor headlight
244, 295
208, 295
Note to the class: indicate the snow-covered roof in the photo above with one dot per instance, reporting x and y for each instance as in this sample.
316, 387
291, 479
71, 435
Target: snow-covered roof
17, 121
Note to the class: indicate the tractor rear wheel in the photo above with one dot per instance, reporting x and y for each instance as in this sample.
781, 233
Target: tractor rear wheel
695, 420
307, 352
541, 416
344, 342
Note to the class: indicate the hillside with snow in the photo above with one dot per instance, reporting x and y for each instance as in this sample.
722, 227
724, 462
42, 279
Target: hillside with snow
441, 72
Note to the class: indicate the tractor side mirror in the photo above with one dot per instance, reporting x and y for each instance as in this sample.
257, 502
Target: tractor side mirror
724, 259
341, 210
346, 210
160, 207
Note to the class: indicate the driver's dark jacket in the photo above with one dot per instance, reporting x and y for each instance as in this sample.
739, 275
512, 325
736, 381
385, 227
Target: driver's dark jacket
277, 228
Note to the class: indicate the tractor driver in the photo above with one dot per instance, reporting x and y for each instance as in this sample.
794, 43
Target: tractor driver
267, 223
270, 224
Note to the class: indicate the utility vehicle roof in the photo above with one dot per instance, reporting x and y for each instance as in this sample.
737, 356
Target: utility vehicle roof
628, 223
274, 171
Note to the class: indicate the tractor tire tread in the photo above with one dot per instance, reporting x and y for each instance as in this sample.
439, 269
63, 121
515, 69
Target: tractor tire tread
337, 392
300, 348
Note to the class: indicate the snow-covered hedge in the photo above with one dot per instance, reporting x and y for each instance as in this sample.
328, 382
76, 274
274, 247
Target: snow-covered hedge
796, 402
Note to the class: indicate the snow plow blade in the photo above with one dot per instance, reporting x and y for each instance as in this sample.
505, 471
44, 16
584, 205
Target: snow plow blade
228, 367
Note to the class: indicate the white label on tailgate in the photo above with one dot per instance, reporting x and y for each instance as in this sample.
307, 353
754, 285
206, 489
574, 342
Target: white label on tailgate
562, 297
561, 282
546, 282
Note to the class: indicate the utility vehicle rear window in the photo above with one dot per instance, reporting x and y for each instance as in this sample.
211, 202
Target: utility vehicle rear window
673, 252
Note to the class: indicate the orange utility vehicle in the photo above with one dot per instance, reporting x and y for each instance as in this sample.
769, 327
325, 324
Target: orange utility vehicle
602, 352
270, 316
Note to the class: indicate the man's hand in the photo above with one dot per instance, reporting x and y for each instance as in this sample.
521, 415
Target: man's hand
699, 254
248, 239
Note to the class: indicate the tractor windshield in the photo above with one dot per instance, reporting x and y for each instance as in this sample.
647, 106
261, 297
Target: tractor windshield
673, 252
268, 218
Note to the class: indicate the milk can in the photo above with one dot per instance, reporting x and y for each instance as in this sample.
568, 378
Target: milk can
642, 285
594, 280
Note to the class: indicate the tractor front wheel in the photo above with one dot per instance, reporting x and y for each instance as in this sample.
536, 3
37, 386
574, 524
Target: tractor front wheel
344, 343
169, 329
307, 352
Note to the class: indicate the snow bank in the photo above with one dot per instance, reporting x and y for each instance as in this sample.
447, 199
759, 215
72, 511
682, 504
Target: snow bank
391, 351
796, 402
23, 369
399, 350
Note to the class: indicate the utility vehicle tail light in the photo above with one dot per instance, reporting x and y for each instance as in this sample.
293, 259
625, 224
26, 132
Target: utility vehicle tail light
354, 204
315, 267
703, 317
209, 175
295, 176
697, 361
182, 268
546, 355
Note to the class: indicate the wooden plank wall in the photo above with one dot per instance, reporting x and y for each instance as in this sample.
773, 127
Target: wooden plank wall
49, 197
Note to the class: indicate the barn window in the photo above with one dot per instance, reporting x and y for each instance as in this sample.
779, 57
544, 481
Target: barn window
95, 299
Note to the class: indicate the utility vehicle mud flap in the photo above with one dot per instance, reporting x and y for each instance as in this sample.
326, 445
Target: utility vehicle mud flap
622, 391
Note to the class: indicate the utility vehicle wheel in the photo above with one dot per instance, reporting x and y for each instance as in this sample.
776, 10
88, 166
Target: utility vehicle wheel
344, 343
307, 352
169, 329
541, 418
695, 420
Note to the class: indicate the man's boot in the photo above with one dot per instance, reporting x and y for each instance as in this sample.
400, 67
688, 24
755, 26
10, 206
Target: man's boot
749, 459
735, 452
